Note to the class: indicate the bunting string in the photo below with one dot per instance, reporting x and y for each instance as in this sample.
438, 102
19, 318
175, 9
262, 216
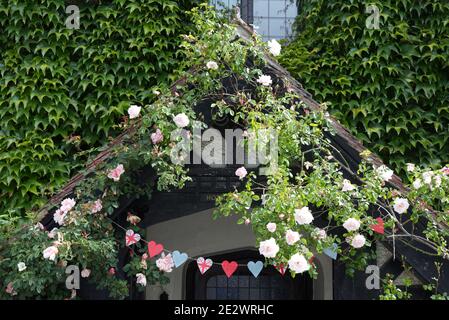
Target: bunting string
179, 258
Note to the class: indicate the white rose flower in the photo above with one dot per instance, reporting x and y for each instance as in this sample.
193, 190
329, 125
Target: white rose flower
291, 237
400, 205
134, 111
303, 216
298, 263
181, 120
265, 80
141, 279
384, 172
351, 224
212, 65
358, 241
347, 186
271, 227
268, 248
21, 266
274, 47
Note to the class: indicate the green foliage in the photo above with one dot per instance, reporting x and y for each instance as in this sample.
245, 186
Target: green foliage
62, 91
390, 290
306, 170
390, 85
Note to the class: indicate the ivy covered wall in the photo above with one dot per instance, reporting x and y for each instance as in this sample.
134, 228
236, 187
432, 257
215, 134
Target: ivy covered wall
389, 86
63, 90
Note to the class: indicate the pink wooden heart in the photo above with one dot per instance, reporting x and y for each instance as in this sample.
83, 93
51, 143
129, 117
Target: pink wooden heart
204, 264
281, 268
131, 237
154, 248
229, 267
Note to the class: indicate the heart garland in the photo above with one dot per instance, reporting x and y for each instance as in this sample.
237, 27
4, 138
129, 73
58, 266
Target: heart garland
204, 264
281, 268
229, 267
255, 267
154, 248
131, 237
179, 258
331, 252
379, 227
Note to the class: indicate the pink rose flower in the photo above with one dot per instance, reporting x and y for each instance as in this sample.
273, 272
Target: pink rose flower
358, 241
401, 205
67, 205
111, 271
384, 173
268, 248
50, 253
134, 111
59, 217
303, 216
97, 206
10, 289
165, 263
141, 279
157, 137
241, 172
351, 224
298, 263
445, 171
181, 120
291, 237
212, 65
347, 186
271, 227
115, 174
85, 273
264, 80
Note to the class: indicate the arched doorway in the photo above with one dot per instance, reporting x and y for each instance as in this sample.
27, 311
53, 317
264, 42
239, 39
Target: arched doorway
269, 285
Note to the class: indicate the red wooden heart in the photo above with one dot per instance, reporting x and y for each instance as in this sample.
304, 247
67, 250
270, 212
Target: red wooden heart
229, 267
154, 248
379, 227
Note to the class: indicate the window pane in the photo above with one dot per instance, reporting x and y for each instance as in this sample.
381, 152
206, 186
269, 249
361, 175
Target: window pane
244, 281
212, 282
270, 18
254, 294
211, 293
243, 294
222, 281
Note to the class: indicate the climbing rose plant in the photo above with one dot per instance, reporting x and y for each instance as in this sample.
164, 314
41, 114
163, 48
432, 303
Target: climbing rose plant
310, 199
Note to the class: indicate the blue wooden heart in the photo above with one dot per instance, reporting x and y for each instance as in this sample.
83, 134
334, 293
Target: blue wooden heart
331, 252
255, 267
179, 258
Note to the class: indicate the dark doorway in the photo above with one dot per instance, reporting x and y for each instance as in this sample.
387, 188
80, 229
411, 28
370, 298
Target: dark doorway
269, 285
